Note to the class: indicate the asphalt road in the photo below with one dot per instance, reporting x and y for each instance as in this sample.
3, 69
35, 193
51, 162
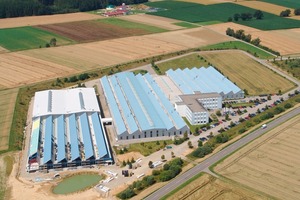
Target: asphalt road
218, 156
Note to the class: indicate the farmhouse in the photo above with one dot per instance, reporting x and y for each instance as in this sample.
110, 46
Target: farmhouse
139, 108
67, 130
195, 106
204, 80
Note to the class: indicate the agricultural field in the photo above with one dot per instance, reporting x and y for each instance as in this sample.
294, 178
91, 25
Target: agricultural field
208, 2
45, 19
263, 6
105, 29
269, 164
285, 3
287, 41
247, 73
7, 106
17, 70
162, 22
16, 39
291, 66
89, 56
209, 187
189, 61
197, 13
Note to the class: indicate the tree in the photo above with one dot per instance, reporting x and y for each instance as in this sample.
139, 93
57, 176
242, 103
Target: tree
236, 17
288, 105
246, 92
258, 14
246, 16
166, 167
47, 45
285, 13
218, 113
279, 92
197, 130
269, 97
172, 154
190, 145
53, 42
227, 117
240, 34
130, 165
230, 32
297, 11
163, 157
150, 164
248, 38
132, 160
255, 41
200, 143
229, 19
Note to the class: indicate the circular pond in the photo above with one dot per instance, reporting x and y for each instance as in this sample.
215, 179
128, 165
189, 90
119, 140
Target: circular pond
76, 183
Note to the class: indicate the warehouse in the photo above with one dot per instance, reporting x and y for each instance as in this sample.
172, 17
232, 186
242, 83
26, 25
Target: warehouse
139, 108
67, 130
204, 80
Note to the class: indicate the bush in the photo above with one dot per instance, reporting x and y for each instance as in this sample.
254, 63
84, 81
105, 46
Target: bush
166, 167
288, 105
278, 110
222, 138
126, 194
202, 151
242, 130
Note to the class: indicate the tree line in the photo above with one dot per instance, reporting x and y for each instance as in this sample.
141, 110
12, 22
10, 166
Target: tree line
287, 12
258, 14
20, 8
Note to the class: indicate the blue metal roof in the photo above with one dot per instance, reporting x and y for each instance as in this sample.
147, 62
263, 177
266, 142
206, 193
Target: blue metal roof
73, 138
86, 136
111, 101
34, 140
179, 123
127, 114
61, 150
181, 84
99, 135
47, 156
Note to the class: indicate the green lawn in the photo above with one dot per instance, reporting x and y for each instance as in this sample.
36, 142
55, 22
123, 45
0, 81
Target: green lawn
292, 66
285, 3
186, 24
15, 39
189, 61
198, 13
132, 25
242, 46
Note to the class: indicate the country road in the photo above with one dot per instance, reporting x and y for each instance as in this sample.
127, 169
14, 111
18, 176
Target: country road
218, 156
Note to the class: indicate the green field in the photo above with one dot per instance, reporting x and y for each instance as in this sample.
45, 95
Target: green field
198, 13
189, 61
16, 39
242, 46
285, 3
132, 25
186, 25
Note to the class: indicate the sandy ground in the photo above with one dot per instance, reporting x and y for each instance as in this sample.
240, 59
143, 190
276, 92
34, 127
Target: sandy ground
285, 41
3, 50
47, 19
270, 163
267, 7
157, 21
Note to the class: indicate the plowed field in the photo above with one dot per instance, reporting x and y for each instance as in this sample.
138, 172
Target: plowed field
94, 30
269, 164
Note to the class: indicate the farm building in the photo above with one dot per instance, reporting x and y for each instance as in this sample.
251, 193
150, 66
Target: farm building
67, 130
204, 80
195, 106
139, 108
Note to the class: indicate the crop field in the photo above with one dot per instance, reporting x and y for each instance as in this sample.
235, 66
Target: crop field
7, 106
263, 6
208, 2
17, 70
285, 3
287, 41
16, 39
162, 22
90, 56
209, 187
110, 28
196, 13
247, 73
45, 19
270, 164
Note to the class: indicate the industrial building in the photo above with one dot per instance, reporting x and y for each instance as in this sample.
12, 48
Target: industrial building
204, 80
67, 130
139, 108
195, 106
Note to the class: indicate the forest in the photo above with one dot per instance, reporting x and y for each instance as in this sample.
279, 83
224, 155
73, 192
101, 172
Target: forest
19, 8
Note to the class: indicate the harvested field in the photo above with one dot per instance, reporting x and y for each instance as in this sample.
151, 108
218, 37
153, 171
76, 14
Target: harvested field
7, 106
284, 41
17, 69
263, 6
247, 73
46, 19
269, 164
3, 50
287, 3
94, 30
157, 21
104, 53
209, 187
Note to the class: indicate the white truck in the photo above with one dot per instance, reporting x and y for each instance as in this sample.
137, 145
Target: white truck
264, 126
